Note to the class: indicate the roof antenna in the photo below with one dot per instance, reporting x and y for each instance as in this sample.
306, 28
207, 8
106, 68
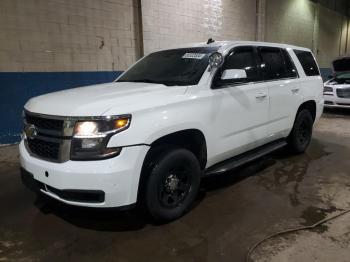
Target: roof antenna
210, 40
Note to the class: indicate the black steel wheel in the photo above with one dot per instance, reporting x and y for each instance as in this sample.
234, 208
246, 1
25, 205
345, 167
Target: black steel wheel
173, 184
175, 187
300, 136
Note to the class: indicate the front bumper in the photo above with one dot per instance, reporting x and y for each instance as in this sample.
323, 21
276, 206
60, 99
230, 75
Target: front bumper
333, 101
115, 179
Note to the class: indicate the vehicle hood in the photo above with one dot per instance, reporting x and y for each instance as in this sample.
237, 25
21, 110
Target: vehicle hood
110, 98
334, 83
341, 64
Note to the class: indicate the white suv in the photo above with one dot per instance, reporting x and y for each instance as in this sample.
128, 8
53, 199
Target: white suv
175, 116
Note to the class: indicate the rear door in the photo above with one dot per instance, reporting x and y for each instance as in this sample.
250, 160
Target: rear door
241, 106
310, 80
281, 77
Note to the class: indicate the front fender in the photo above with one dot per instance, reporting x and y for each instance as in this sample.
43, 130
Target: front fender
150, 125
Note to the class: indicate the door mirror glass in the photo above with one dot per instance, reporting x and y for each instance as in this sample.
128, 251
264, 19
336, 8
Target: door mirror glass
215, 60
233, 74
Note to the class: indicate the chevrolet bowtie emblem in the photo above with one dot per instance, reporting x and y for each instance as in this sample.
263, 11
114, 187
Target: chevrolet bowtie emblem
30, 131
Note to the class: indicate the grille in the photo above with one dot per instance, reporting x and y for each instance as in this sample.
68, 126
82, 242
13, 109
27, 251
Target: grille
343, 93
47, 138
44, 149
45, 123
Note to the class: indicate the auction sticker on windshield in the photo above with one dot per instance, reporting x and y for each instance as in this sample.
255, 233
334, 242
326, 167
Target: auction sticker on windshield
193, 55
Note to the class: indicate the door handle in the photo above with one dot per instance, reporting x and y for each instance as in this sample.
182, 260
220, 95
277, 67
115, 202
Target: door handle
261, 96
295, 90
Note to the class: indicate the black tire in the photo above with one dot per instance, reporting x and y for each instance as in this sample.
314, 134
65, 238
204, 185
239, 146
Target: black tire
300, 136
172, 184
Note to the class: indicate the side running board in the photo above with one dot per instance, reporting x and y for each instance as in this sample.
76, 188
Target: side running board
244, 158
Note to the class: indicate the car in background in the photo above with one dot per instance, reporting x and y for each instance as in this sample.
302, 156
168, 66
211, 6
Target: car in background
337, 89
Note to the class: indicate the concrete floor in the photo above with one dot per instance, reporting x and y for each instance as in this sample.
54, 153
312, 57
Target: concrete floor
232, 213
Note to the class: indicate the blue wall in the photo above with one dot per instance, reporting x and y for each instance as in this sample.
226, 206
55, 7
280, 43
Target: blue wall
17, 88
326, 72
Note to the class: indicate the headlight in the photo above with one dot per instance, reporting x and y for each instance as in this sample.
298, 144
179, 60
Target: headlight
327, 89
90, 138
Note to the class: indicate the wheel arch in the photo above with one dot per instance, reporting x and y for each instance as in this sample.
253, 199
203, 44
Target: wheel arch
192, 139
309, 105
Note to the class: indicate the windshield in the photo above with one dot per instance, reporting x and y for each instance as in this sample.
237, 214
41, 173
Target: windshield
170, 67
342, 77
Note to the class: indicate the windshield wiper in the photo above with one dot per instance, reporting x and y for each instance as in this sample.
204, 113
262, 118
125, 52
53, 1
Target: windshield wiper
160, 82
140, 81
173, 83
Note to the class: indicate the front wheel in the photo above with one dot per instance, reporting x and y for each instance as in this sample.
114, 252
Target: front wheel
300, 136
173, 184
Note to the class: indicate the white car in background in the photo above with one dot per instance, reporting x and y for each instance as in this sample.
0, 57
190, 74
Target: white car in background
337, 90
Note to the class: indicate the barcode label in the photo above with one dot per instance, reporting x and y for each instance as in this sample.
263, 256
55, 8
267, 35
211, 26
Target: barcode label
193, 55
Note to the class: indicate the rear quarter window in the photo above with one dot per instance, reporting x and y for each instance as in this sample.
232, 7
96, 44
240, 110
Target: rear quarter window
308, 62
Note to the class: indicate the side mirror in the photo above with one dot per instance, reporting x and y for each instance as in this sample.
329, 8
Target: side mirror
330, 77
215, 60
231, 74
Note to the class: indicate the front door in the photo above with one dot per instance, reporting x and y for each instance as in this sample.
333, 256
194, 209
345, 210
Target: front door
241, 106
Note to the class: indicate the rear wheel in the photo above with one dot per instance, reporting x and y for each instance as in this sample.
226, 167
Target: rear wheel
173, 184
300, 136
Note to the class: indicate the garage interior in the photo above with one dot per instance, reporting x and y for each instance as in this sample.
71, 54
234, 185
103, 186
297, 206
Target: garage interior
52, 45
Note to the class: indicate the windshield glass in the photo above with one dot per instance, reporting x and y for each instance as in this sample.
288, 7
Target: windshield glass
170, 67
342, 77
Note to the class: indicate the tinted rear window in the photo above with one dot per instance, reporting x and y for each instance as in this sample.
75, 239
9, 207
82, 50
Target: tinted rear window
273, 66
308, 62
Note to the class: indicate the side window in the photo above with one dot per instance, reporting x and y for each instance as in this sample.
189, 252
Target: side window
308, 62
240, 58
289, 65
273, 66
